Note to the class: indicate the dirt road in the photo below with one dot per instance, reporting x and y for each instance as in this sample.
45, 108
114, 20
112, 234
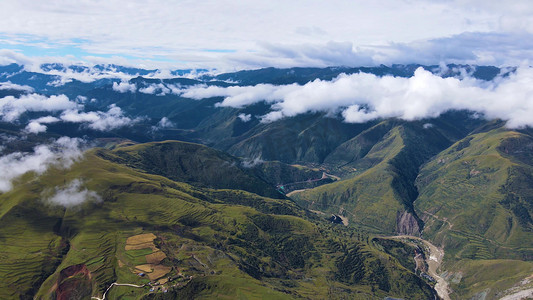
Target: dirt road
118, 284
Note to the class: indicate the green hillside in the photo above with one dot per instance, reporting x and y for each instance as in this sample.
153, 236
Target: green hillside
192, 163
216, 242
308, 138
380, 166
475, 198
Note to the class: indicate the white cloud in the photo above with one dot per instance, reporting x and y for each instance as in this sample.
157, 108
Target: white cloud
362, 97
188, 33
482, 48
72, 195
47, 120
35, 127
124, 87
12, 86
250, 163
62, 153
81, 99
245, 117
11, 107
239, 96
159, 89
62, 80
165, 123
98, 120
306, 55
175, 89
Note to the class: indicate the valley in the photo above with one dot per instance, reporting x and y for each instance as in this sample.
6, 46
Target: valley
192, 198
434, 260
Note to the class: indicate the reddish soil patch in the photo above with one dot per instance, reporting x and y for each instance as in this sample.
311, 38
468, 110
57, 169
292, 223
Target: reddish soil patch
74, 282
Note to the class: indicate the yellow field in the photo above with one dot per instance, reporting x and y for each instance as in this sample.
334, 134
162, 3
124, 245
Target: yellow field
144, 268
152, 268
155, 258
159, 271
141, 241
140, 246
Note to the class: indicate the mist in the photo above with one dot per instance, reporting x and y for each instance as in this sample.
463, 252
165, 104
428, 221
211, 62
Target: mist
363, 97
73, 194
62, 153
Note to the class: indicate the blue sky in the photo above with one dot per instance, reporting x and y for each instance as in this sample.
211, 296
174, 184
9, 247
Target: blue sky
251, 34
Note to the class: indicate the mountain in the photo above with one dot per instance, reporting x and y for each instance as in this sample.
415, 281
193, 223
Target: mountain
476, 199
305, 206
209, 242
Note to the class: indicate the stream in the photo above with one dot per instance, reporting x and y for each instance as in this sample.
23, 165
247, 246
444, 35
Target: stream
434, 261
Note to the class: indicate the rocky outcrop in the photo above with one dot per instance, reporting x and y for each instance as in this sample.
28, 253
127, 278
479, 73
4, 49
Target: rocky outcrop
406, 224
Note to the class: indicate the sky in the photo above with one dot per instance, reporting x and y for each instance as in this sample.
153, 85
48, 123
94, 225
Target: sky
225, 36
233, 35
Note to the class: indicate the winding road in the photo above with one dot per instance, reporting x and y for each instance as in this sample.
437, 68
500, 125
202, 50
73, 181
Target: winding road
118, 284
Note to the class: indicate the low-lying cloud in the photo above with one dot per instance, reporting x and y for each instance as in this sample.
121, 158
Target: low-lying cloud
73, 194
155, 89
13, 86
158, 89
124, 87
163, 124
36, 126
98, 120
362, 97
11, 108
245, 117
250, 163
61, 153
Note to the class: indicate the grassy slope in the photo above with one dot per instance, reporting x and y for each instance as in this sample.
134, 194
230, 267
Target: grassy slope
367, 197
380, 184
262, 249
192, 163
469, 196
307, 138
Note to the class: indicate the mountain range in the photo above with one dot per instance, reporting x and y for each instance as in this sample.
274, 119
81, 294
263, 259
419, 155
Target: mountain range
150, 178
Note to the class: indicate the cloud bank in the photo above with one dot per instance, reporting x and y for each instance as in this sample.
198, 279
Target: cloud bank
12, 86
11, 109
149, 31
362, 97
124, 87
73, 195
98, 120
158, 89
61, 153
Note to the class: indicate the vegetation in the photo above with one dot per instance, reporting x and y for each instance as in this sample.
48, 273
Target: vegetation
233, 243
224, 222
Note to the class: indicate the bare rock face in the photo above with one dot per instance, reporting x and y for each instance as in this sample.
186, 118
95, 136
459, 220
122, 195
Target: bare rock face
74, 282
406, 224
